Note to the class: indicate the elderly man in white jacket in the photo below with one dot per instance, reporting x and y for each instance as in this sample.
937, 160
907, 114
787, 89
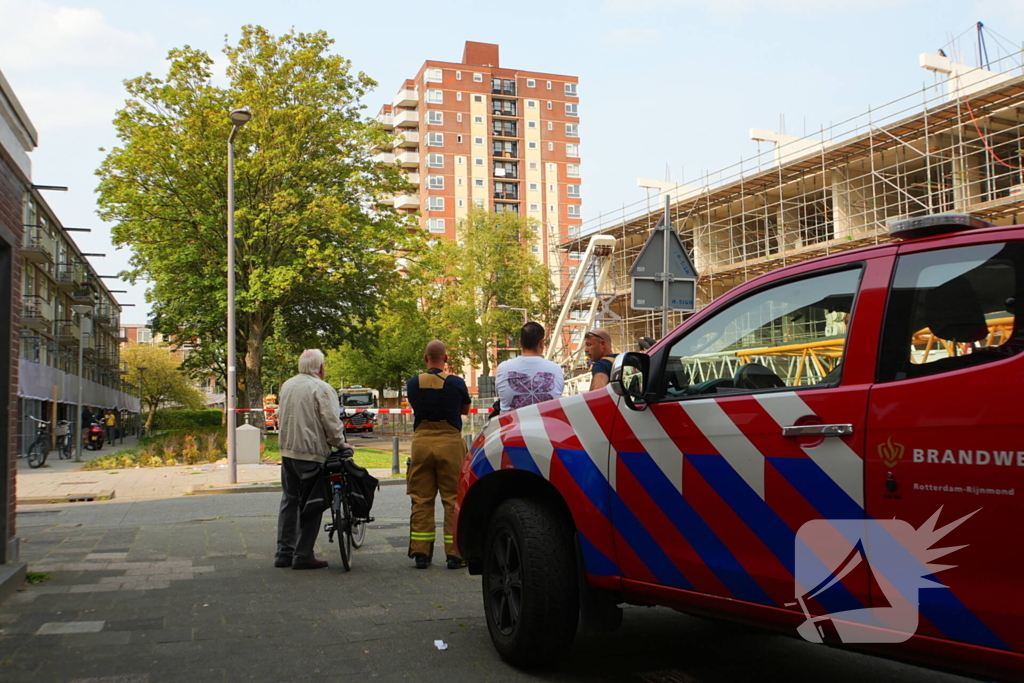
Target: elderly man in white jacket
309, 423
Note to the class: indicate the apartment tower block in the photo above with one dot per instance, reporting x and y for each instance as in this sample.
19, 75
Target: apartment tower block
477, 134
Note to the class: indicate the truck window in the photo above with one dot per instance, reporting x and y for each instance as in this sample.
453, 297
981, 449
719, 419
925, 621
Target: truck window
791, 334
952, 309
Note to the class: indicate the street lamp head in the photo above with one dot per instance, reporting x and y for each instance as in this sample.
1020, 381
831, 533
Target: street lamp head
240, 117
82, 309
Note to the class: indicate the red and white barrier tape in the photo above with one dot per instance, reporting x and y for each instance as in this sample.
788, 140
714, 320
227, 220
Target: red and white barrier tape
378, 411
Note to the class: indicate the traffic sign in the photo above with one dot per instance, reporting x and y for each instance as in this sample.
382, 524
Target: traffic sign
652, 256
647, 294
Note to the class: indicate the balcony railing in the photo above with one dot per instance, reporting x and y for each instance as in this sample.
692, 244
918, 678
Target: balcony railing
505, 153
503, 87
509, 195
504, 131
407, 118
506, 171
500, 108
65, 275
35, 245
35, 313
65, 332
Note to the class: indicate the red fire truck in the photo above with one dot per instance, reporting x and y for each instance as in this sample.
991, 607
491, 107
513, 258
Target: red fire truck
833, 449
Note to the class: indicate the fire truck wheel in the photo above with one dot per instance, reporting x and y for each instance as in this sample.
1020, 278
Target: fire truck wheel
530, 588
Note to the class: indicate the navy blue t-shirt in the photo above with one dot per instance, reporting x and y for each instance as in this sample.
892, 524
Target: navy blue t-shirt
603, 366
454, 395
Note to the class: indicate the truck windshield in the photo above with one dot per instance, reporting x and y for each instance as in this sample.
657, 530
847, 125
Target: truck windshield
362, 400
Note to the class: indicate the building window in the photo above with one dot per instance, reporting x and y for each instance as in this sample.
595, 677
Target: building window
572, 191
551, 147
534, 187
535, 249
572, 170
531, 104
435, 118
460, 203
551, 208
458, 181
551, 105
458, 97
435, 139
478, 182
551, 125
435, 97
551, 187
572, 150
575, 255
435, 225
572, 130
458, 139
478, 141
551, 168
460, 160
458, 75
532, 144
435, 160
436, 182
574, 210
479, 203
531, 124
458, 117
549, 85
479, 161
433, 76
570, 90
531, 83
478, 98
435, 203
478, 119
534, 207
572, 276
572, 109
478, 78
533, 165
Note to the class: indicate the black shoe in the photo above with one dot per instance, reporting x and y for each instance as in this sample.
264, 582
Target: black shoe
311, 564
283, 561
422, 561
455, 562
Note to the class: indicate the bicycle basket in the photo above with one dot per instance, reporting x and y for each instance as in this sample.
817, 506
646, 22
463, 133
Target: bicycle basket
362, 487
60, 430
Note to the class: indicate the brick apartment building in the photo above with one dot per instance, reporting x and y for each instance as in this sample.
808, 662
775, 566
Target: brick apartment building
474, 133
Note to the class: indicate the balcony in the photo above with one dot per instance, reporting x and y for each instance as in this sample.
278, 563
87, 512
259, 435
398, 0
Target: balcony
103, 314
65, 333
413, 178
407, 119
387, 158
503, 87
507, 195
409, 159
506, 170
386, 120
503, 108
408, 138
35, 245
407, 201
65, 275
505, 153
35, 313
406, 97
504, 129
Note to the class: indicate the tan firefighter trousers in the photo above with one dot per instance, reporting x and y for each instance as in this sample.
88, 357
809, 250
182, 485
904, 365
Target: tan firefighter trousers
437, 454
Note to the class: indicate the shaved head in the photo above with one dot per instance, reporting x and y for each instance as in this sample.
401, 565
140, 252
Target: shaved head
436, 351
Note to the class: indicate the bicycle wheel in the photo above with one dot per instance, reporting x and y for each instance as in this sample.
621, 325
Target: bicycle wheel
67, 449
358, 533
340, 511
37, 453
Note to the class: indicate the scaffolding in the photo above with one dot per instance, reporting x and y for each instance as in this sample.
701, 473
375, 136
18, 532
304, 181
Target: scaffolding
957, 145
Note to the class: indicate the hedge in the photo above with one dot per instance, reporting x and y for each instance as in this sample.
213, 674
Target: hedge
186, 419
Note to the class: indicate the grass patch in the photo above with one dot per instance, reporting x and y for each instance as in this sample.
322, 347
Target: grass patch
37, 577
370, 458
176, 447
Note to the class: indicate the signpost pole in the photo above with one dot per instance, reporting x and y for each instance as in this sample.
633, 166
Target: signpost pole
666, 283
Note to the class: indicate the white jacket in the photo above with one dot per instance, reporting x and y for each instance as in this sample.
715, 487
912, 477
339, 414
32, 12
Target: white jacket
308, 416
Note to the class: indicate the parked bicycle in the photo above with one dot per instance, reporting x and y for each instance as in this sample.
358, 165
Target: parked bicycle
65, 440
351, 530
40, 448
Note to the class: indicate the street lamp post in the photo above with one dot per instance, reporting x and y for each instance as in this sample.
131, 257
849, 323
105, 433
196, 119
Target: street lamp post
142, 373
239, 117
81, 310
513, 308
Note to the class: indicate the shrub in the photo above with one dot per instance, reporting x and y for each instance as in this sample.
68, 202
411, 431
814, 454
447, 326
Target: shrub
178, 447
186, 419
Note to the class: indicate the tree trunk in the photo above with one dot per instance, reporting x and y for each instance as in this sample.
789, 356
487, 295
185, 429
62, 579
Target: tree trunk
149, 419
254, 368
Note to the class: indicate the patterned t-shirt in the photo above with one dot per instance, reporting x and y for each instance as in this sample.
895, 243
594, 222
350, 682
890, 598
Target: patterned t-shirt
526, 380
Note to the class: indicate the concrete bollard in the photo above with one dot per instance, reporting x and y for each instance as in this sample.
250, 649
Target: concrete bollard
247, 446
394, 456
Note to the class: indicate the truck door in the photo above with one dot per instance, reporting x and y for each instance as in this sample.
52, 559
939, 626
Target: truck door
946, 435
757, 428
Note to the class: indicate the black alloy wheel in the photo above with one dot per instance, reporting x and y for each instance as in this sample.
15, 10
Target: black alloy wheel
506, 583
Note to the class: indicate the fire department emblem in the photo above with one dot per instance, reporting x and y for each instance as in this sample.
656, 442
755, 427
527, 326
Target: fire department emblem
890, 453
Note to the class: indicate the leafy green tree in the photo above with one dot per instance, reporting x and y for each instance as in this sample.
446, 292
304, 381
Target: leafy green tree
162, 380
386, 353
315, 242
489, 264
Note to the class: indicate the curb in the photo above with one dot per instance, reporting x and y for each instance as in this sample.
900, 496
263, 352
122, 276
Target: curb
268, 488
67, 498
12, 577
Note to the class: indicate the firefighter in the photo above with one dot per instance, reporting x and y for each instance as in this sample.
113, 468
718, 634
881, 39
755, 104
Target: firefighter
438, 401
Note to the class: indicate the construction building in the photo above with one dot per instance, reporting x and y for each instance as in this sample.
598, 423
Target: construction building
476, 134
957, 145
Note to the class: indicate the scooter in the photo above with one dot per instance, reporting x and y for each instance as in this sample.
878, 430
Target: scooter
94, 441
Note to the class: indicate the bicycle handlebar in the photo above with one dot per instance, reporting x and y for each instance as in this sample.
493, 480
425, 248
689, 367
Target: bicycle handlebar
42, 422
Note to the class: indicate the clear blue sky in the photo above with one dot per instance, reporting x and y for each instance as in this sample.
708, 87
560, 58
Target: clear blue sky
675, 82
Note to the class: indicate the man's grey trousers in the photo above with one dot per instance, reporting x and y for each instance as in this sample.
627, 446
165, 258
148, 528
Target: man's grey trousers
302, 507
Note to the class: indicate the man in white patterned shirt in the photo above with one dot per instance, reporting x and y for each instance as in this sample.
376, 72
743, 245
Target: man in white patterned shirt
530, 378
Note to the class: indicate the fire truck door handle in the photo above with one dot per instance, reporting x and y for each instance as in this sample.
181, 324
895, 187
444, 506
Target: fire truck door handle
817, 430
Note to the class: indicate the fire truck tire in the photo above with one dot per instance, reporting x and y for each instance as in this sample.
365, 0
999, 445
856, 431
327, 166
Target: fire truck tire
530, 585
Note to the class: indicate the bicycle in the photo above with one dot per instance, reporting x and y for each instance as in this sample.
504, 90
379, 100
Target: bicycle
351, 530
65, 441
40, 448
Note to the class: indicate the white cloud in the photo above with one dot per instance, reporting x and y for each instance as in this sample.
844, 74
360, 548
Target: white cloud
39, 34
625, 38
740, 7
74, 104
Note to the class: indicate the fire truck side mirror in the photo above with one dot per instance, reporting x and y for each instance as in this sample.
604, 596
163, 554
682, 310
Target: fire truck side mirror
630, 378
